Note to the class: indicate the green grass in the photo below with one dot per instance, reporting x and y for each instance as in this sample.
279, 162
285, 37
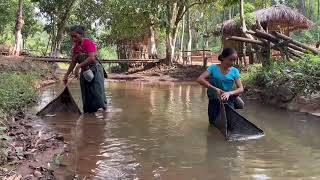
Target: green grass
301, 76
249, 74
16, 91
63, 66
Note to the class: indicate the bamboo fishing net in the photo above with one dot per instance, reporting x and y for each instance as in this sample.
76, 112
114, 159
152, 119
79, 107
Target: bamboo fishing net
62, 103
234, 126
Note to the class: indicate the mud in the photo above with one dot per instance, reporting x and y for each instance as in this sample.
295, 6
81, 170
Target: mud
31, 149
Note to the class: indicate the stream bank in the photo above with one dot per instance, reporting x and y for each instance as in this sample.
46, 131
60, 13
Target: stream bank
26, 146
279, 94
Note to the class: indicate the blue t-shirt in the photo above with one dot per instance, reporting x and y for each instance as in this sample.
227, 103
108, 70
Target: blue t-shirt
221, 81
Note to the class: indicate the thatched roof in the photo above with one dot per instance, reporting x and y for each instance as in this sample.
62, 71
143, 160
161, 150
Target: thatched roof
275, 18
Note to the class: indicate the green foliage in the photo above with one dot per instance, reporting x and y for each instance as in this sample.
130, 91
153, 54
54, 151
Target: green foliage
129, 20
249, 16
250, 73
299, 77
37, 43
7, 14
108, 52
58, 159
310, 36
16, 90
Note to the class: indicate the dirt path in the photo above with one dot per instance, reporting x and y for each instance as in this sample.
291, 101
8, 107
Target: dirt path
162, 74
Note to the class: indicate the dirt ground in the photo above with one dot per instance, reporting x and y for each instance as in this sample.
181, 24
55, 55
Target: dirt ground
161, 73
32, 150
28, 150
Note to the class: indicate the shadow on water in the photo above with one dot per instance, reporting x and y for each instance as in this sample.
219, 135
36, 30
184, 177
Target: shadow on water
162, 132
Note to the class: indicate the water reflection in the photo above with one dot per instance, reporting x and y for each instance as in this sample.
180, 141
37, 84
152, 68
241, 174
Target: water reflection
161, 132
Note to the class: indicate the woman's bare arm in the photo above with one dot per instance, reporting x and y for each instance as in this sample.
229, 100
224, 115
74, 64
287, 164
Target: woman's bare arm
89, 60
239, 89
203, 80
73, 63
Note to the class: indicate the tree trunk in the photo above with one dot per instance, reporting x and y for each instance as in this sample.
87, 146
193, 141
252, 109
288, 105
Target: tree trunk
311, 9
18, 29
53, 22
46, 51
61, 29
170, 45
181, 59
205, 43
243, 28
302, 7
318, 10
189, 34
173, 11
196, 39
152, 48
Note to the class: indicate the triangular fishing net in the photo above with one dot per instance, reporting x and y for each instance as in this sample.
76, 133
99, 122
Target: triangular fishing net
63, 103
234, 126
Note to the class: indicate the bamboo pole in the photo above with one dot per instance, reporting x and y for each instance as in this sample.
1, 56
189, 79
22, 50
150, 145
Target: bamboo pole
242, 39
296, 43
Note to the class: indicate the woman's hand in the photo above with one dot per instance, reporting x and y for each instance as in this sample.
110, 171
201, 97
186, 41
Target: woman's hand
76, 72
65, 78
219, 92
225, 96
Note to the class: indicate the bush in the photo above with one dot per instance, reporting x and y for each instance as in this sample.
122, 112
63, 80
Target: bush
299, 77
16, 91
250, 73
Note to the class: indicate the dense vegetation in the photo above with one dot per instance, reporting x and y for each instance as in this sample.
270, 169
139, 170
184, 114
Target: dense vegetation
300, 77
112, 21
16, 90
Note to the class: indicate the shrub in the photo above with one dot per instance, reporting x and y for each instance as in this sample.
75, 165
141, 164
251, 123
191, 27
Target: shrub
300, 76
16, 90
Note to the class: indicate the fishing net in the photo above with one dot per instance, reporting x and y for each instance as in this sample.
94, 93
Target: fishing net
234, 126
63, 103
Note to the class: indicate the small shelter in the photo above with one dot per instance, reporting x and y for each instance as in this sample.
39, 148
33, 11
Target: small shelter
138, 47
279, 18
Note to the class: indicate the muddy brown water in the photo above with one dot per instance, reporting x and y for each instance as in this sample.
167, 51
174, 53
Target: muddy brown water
162, 132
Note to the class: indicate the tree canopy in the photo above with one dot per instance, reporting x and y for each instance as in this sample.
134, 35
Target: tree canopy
110, 22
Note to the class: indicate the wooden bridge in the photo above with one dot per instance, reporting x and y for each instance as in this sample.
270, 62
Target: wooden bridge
106, 61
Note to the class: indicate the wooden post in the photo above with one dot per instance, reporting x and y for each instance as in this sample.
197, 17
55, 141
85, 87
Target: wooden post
266, 55
205, 60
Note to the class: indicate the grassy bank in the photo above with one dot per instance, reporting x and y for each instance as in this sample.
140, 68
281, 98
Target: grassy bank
16, 90
285, 79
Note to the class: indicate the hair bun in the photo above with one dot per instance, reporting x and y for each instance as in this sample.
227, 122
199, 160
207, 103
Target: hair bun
220, 57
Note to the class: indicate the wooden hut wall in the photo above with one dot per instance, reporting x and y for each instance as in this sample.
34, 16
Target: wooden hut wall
237, 45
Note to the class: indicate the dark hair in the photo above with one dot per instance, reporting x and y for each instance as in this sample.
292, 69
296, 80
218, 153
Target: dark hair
226, 52
77, 29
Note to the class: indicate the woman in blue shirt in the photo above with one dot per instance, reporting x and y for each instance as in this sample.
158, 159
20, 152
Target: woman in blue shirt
220, 79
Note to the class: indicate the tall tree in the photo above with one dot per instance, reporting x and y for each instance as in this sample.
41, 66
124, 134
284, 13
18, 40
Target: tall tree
189, 35
182, 40
175, 10
302, 7
311, 6
56, 13
18, 29
152, 47
62, 21
243, 28
318, 17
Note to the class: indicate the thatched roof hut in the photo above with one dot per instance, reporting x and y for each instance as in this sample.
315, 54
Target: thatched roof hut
276, 18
